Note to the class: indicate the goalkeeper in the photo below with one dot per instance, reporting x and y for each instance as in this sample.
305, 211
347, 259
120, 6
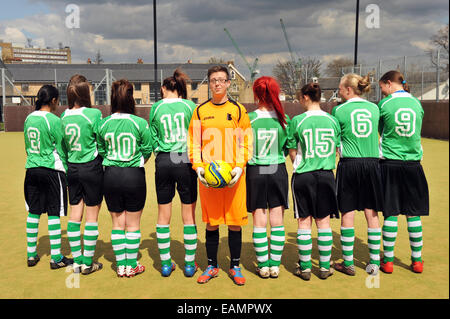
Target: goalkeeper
220, 130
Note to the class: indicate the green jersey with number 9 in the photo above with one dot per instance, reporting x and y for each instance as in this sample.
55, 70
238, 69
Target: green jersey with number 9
169, 122
79, 126
269, 138
44, 141
358, 119
315, 135
124, 140
401, 116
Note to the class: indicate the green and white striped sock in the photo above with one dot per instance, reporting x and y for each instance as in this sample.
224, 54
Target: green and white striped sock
415, 237
74, 235
89, 241
261, 246
347, 242
277, 239
54, 231
163, 239
118, 244
374, 240
304, 243
190, 244
133, 240
325, 244
32, 234
390, 228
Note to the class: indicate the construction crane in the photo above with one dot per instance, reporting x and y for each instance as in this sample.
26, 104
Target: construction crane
296, 63
252, 68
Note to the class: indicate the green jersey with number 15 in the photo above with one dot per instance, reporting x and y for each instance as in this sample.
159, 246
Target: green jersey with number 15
124, 140
358, 119
315, 135
169, 122
401, 116
79, 126
44, 141
269, 138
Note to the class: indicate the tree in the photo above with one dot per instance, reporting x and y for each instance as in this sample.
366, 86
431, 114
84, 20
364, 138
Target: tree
216, 60
310, 68
334, 68
439, 41
98, 58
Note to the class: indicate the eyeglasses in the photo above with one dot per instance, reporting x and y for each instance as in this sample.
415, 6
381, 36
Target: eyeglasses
221, 81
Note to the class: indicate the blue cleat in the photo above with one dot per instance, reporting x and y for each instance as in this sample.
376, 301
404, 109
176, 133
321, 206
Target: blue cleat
166, 270
190, 270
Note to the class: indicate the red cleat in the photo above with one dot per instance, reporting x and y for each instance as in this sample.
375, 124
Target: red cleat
417, 266
209, 273
236, 274
387, 267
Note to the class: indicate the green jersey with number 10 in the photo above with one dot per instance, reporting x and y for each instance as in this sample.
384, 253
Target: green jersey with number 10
269, 138
315, 135
401, 116
124, 140
79, 126
358, 119
169, 122
44, 141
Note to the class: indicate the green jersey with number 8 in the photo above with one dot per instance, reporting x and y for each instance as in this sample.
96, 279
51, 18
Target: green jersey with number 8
124, 140
269, 138
315, 135
44, 141
169, 122
401, 116
79, 126
358, 119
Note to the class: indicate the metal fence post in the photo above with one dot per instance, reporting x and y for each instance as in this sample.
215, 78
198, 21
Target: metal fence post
404, 66
3, 94
438, 64
421, 88
108, 87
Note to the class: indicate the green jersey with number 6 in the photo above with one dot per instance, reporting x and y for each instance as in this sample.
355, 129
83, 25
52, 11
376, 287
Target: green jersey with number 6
124, 140
315, 135
79, 126
269, 138
358, 119
401, 116
169, 122
44, 141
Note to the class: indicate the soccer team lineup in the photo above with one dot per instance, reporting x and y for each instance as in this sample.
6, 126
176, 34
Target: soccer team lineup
363, 158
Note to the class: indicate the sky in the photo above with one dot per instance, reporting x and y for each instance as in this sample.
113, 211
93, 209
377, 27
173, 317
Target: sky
194, 29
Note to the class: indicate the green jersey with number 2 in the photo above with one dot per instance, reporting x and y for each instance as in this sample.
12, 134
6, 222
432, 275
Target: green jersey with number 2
269, 138
401, 116
315, 135
80, 126
358, 119
124, 140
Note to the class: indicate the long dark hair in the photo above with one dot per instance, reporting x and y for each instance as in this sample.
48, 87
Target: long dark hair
267, 91
122, 97
395, 77
46, 95
177, 82
78, 91
312, 90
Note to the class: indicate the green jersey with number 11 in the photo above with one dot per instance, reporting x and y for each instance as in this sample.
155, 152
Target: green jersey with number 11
124, 140
44, 141
269, 138
358, 119
169, 122
401, 116
79, 126
315, 135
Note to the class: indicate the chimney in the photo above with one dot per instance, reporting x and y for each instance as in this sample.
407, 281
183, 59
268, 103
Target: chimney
189, 61
89, 61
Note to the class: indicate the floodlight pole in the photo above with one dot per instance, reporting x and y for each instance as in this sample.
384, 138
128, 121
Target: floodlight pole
155, 46
355, 62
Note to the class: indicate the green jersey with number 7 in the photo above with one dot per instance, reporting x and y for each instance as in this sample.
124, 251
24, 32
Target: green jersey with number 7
401, 116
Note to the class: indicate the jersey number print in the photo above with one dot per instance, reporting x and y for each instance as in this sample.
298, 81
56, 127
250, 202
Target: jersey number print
35, 140
406, 120
73, 130
268, 138
319, 142
361, 124
122, 147
171, 135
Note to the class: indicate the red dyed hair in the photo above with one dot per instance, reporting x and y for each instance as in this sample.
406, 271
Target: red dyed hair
267, 91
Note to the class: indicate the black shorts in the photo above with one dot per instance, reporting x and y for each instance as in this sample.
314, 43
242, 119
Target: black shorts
359, 184
124, 188
267, 186
314, 194
85, 181
405, 188
45, 191
174, 169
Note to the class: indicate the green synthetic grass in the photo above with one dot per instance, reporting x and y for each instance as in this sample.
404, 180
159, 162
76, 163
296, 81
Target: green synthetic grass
19, 281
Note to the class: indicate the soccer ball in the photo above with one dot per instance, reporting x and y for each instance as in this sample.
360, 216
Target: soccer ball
218, 174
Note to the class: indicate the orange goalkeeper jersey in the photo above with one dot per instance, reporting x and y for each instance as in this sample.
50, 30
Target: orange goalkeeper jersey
221, 132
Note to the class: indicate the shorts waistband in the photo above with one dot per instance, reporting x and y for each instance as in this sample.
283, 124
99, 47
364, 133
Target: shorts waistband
399, 162
359, 159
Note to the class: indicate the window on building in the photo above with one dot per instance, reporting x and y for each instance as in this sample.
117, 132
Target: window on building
194, 86
137, 86
195, 100
232, 74
62, 89
234, 87
138, 101
100, 94
24, 87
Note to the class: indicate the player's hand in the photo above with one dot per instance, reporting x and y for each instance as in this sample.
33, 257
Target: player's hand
236, 173
201, 176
